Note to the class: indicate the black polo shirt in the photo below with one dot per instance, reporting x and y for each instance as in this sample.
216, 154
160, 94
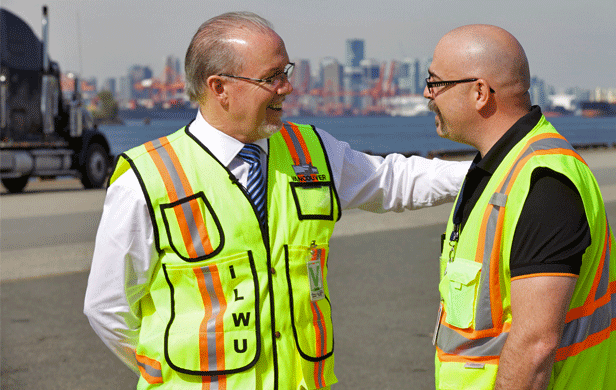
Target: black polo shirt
552, 232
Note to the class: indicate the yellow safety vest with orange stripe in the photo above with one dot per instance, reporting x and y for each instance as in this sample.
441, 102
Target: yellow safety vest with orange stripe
475, 314
234, 304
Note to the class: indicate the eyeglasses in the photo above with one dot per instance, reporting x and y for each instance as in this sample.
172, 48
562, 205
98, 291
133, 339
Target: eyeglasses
273, 81
432, 84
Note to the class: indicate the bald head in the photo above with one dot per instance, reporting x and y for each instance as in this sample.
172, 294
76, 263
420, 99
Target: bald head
491, 53
494, 93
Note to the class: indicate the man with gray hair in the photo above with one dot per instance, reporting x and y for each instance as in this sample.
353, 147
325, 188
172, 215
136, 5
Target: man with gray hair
210, 265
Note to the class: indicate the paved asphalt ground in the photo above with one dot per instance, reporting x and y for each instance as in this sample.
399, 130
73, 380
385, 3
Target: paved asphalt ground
383, 278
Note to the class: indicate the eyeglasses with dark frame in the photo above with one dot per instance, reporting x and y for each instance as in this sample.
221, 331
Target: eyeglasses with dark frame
442, 83
271, 81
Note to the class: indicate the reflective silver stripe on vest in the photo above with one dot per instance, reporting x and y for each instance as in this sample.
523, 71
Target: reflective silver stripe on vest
483, 310
578, 330
181, 194
151, 371
211, 322
604, 282
449, 341
298, 146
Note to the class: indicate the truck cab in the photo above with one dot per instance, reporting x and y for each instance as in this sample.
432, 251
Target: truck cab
42, 134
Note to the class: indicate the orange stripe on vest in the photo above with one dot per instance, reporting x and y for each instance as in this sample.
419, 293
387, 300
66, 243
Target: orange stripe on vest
154, 364
590, 341
173, 197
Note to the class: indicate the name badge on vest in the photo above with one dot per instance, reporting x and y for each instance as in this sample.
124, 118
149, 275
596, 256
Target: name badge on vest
315, 260
307, 173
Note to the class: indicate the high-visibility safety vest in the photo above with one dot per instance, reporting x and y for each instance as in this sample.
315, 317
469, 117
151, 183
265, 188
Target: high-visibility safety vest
475, 313
233, 303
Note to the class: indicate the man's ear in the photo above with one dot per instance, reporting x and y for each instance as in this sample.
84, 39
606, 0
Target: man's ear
484, 98
217, 88
482, 93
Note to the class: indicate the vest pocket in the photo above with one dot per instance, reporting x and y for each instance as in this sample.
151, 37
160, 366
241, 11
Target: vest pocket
309, 303
193, 229
213, 326
459, 375
313, 200
459, 289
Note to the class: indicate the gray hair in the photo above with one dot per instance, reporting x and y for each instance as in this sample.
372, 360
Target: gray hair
211, 53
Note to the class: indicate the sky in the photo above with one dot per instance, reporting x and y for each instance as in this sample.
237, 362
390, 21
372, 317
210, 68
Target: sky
569, 43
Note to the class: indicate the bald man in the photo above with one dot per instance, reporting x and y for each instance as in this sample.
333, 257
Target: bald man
528, 285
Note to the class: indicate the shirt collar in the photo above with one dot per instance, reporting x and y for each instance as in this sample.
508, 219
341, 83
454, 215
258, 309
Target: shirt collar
221, 145
503, 146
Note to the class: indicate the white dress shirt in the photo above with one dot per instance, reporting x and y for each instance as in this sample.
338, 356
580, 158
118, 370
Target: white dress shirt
125, 255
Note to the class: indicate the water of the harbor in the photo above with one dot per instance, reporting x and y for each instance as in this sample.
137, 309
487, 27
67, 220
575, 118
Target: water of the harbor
374, 134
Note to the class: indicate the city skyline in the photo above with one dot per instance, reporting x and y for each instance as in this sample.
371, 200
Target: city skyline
568, 45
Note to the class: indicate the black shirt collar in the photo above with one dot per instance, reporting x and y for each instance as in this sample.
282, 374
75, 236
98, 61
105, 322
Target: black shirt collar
482, 169
503, 146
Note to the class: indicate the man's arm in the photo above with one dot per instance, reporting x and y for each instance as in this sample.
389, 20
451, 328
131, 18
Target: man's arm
123, 258
539, 305
393, 183
549, 242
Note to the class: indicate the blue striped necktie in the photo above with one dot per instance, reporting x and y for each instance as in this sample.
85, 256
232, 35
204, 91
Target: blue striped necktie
256, 182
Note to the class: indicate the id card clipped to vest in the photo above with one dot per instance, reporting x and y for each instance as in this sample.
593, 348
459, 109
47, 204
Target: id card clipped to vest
315, 261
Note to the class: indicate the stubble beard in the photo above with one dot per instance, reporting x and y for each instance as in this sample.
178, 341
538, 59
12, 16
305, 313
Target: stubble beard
266, 130
438, 120
269, 126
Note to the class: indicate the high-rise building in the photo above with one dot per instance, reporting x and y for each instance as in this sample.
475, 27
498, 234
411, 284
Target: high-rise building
352, 74
136, 74
331, 72
412, 75
178, 66
371, 70
123, 93
110, 85
172, 72
580, 93
353, 82
538, 95
422, 74
407, 76
354, 52
301, 78
139, 73
371, 75
603, 95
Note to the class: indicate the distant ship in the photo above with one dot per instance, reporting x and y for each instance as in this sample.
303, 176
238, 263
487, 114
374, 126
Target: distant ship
556, 111
595, 109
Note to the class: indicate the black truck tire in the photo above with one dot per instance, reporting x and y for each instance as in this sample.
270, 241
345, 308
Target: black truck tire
95, 168
16, 184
